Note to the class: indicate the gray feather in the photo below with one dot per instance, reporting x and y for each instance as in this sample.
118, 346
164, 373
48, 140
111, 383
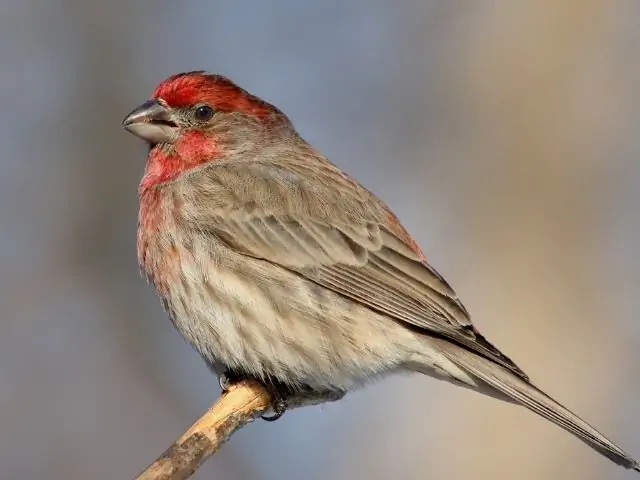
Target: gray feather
529, 396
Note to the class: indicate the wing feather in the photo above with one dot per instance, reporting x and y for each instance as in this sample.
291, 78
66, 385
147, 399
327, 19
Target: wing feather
356, 253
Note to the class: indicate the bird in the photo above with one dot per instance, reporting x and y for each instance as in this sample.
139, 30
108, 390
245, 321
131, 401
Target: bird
275, 265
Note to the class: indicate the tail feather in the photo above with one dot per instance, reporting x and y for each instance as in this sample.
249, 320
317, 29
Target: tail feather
527, 395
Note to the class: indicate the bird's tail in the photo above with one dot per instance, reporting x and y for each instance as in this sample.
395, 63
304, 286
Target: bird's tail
519, 391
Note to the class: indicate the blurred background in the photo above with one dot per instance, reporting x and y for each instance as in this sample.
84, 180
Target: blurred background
504, 134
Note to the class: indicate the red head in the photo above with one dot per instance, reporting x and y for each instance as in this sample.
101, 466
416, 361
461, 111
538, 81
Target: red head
197, 117
186, 90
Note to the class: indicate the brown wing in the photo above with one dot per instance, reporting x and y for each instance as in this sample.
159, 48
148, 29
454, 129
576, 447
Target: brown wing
343, 238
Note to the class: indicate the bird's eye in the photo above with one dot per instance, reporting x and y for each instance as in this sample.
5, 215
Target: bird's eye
203, 113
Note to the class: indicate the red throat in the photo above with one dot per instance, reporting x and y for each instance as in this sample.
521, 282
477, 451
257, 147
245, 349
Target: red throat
167, 162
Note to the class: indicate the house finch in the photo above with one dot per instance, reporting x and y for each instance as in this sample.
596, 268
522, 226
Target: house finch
276, 265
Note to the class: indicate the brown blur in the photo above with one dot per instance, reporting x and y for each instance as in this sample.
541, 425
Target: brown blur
504, 134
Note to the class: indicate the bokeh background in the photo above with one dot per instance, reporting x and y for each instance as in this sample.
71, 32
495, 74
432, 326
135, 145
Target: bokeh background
505, 135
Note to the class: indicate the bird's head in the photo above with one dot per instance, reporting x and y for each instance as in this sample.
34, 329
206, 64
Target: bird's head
197, 117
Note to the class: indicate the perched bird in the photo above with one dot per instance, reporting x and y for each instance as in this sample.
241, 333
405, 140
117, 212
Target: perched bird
275, 265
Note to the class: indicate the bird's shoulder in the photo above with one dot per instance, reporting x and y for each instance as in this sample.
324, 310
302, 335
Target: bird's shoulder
302, 185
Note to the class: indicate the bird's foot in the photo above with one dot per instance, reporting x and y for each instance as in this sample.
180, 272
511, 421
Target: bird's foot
279, 392
284, 396
228, 378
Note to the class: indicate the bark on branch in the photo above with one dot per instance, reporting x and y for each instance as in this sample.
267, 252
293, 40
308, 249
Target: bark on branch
241, 404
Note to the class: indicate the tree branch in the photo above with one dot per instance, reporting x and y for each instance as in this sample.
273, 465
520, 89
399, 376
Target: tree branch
241, 404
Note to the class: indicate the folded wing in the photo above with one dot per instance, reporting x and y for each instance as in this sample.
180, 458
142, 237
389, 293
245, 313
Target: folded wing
343, 238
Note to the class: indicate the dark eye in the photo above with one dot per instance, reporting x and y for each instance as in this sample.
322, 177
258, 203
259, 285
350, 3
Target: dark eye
203, 113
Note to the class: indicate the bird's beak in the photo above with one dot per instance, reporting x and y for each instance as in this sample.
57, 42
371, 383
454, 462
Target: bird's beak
152, 121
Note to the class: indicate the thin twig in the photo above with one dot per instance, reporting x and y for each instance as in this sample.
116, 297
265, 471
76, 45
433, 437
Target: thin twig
241, 404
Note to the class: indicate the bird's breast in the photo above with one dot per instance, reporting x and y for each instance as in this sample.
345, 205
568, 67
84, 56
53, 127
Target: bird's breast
158, 239
258, 317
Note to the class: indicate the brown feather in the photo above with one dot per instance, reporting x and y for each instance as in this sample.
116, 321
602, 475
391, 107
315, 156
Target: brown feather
345, 240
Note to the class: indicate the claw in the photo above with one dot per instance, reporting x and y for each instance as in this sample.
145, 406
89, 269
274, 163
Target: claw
226, 379
279, 408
